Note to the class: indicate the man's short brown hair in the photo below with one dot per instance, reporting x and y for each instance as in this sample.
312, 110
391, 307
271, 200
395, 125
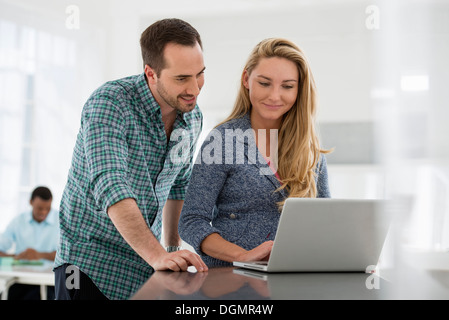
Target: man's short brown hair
154, 39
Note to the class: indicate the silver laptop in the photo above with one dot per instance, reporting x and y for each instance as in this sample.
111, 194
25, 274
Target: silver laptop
327, 235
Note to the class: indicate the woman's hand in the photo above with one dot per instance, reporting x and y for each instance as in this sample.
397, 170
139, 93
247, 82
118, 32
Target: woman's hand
259, 253
215, 246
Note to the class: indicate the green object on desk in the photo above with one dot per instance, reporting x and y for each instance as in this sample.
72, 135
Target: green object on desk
6, 261
10, 261
27, 263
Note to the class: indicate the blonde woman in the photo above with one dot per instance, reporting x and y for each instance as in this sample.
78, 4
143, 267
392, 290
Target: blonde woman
265, 151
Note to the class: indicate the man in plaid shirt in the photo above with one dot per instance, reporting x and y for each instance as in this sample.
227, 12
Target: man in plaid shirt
127, 175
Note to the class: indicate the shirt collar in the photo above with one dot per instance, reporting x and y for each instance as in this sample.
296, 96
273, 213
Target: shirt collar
149, 103
48, 220
146, 98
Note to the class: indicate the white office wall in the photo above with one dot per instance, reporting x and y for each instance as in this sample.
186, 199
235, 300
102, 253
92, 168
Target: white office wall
47, 71
413, 113
333, 35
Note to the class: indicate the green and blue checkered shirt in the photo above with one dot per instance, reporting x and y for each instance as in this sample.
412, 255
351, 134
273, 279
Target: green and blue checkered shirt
122, 152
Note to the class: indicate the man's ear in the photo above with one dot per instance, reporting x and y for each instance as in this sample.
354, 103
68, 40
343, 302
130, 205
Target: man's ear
151, 74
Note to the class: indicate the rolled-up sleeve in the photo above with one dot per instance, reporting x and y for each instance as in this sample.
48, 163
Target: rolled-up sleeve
107, 156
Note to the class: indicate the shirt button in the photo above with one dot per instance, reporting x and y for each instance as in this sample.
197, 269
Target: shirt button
232, 216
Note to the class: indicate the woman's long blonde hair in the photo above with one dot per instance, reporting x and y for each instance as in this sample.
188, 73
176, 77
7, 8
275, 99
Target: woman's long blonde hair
298, 146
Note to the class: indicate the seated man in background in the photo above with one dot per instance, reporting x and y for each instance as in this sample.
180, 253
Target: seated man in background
33, 235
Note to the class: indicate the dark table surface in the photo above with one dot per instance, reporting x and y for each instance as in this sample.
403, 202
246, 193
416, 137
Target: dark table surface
232, 283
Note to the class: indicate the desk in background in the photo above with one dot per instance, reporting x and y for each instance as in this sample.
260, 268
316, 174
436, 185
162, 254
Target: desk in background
41, 274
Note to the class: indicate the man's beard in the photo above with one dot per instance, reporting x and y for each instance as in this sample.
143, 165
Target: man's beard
176, 103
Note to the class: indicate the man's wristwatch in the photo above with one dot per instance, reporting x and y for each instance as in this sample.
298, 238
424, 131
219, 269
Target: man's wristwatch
173, 248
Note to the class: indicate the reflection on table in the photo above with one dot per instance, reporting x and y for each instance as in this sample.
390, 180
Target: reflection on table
238, 284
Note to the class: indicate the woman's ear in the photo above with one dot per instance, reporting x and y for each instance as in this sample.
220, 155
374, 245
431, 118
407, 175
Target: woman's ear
245, 79
151, 74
